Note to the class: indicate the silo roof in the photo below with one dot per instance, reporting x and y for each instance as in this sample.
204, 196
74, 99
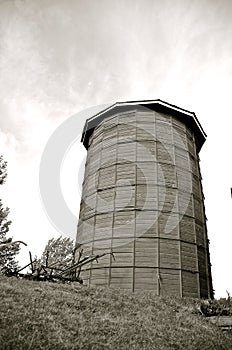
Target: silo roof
186, 117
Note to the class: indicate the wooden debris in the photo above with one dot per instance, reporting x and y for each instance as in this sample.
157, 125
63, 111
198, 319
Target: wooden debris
53, 273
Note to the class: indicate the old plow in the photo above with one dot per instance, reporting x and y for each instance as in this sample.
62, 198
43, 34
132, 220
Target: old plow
57, 271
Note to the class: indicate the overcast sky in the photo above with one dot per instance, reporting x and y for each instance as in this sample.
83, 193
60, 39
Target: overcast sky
60, 57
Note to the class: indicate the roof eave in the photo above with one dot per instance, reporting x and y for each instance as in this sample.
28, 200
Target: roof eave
96, 119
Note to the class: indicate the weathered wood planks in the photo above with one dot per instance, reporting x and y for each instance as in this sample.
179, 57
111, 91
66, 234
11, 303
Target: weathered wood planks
142, 198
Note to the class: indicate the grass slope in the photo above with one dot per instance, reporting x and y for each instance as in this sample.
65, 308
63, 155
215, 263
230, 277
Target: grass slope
43, 315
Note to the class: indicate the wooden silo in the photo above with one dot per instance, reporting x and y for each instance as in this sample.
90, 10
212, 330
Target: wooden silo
142, 199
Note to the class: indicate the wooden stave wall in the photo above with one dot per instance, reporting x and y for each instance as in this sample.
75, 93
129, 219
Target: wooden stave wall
186, 271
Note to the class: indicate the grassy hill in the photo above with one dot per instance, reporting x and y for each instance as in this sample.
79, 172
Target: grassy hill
43, 315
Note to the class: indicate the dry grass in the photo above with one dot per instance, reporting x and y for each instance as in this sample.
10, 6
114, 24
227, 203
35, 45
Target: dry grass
42, 315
